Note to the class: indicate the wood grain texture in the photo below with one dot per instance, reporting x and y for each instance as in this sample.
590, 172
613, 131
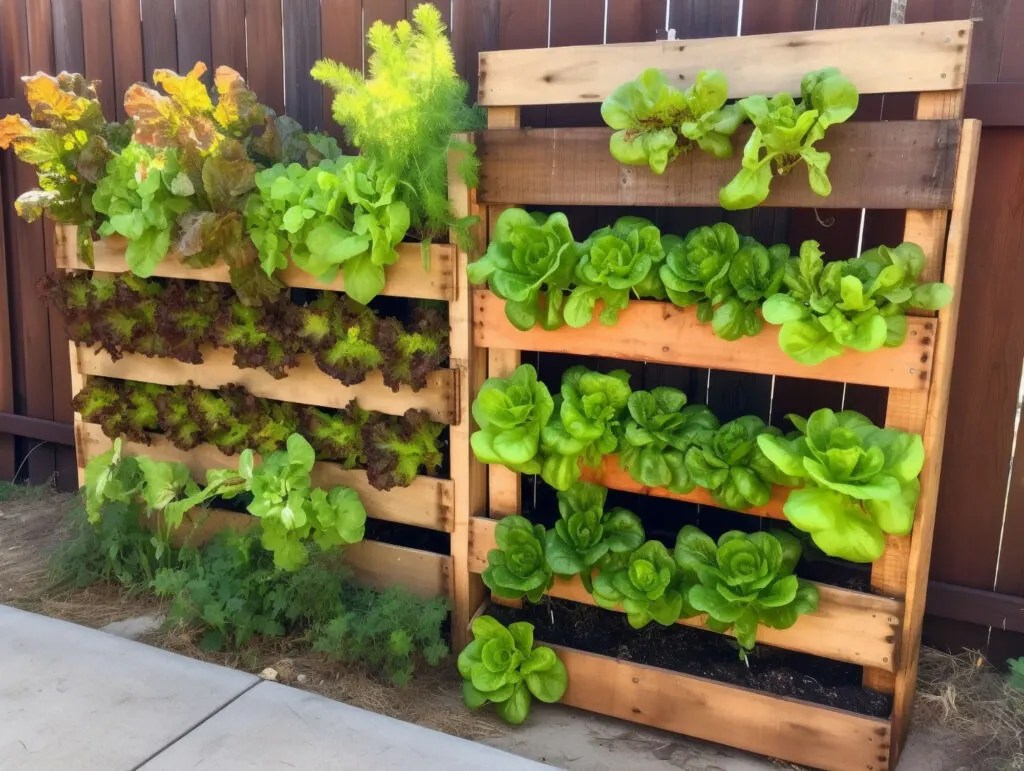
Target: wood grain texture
227, 35
305, 384
341, 39
159, 36
99, 53
7, 455
303, 97
682, 340
265, 49
126, 31
848, 626
892, 165
194, 36
68, 44
427, 502
406, 278
787, 729
919, 57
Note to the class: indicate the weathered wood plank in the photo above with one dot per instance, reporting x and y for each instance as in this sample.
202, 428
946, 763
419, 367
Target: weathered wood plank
879, 165
848, 626
680, 339
911, 57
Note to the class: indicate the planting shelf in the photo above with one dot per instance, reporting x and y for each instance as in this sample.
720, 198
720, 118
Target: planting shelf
305, 384
848, 626
661, 332
406, 278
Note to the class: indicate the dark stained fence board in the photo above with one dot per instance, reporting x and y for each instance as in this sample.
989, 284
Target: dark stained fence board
977, 606
68, 43
303, 96
996, 104
475, 29
575, 23
227, 34
265, 53
7, 455
877, 165
779, 16
40, 36
99, 52
341, 39
126, 30
704, 18
630, 21
192, 20
523, 24
38, 429
159, 36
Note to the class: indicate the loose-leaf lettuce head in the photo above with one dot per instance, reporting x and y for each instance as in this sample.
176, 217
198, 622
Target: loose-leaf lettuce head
645, 113
755, 273
709, 121
647, 587
398, 447
518, 567
529, 263
511, 413
696, 268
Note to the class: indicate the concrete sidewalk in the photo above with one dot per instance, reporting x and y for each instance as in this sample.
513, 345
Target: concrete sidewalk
77, 698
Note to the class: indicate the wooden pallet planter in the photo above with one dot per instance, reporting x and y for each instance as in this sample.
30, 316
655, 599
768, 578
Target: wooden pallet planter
432, 504
926, 167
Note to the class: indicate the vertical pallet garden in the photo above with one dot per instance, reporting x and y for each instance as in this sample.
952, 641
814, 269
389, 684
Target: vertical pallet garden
925, 167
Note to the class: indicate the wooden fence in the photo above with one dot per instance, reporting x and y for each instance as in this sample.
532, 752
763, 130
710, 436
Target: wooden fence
978, 564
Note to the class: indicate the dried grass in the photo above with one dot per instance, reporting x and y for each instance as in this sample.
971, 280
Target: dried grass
32, 522
968, 697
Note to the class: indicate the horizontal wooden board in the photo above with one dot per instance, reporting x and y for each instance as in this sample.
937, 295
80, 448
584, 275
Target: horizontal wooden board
427, 502
875, 165
406, 278
661, 332
787, 729
305, 384
374, 564
848, 626
905, 57
611, 475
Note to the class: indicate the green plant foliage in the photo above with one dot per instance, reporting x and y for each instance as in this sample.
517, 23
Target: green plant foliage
414, 351
502, 666
398, 447
338, 434
389, 631
530, 264
732, 466
860, 481
859, 303
655, 122
585, 533
69, 142
744, 580
649, 587
511, 413
658, 432
785, 132
585, 424
518, 567
403, 115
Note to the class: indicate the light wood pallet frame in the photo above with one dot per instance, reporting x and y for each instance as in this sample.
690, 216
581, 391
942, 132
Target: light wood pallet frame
924, 166
430, 503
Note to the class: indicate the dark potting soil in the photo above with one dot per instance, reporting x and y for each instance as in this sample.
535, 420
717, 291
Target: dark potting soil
700, 653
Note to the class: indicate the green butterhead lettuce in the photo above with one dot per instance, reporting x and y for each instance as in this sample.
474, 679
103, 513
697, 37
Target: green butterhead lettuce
518, 567
649, 587
511, 413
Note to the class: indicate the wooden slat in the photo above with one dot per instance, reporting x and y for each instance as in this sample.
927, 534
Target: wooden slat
406, 278
427, 502
912, 57
99, 52
782, 728
265, 51
374, 564
611, 475
303, 97
159, 36
7, 456
68, 45
227, 34
341, 39
305, 384
877, 165
194, 36
126, 29
848, 626
681, 339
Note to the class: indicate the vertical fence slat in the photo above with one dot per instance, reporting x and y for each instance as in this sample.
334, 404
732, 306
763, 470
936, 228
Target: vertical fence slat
126, 28
630, 21
68, 45
475, 29
387, 11
99, 52
524, 24
192, 21
7, 456
341, 39
304, 97
576, 23
705, 18
227, 34
265, 57
159, 36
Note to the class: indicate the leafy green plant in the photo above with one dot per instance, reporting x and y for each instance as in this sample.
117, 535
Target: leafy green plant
585, 424
511, 413
649, 587
858, 303
860, 481
745, 580
613, 262
585, 532
404, 114
732, 466
655, 122
414, 351
398, 447
69, 142
502, 666
518, 567
389, 631
658, 432
785, 132
530, 264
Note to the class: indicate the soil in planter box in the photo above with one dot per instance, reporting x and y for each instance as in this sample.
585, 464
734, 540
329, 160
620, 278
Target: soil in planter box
413, 537
700, 653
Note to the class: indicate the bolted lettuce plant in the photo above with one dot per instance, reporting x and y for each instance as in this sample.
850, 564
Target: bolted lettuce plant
585, 533
745, 580
649, 587
511, 413
518, 567
502, 666
861, 481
